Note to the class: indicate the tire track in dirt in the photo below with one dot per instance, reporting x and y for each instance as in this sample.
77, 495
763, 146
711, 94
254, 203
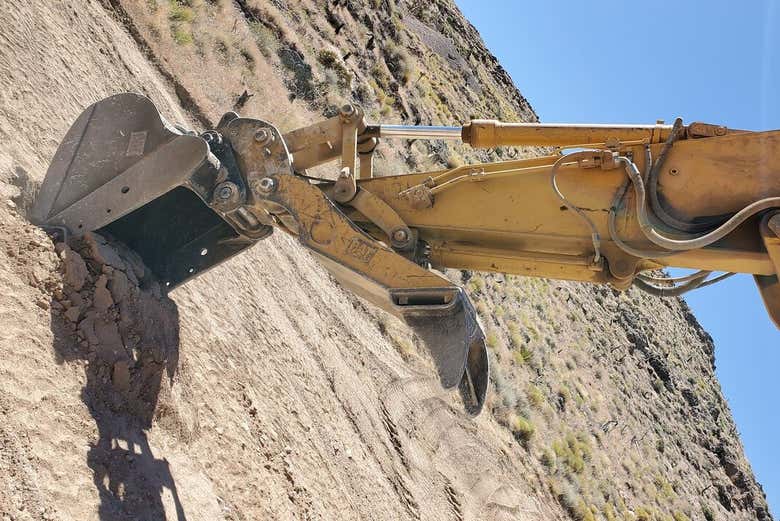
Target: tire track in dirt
438, 440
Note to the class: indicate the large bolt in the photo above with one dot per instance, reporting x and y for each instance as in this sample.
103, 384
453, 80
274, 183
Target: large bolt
226, 195
266, 185
400, 237
262, 136
225, 192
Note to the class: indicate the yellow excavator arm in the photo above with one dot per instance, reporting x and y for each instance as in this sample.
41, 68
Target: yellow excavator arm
624, 202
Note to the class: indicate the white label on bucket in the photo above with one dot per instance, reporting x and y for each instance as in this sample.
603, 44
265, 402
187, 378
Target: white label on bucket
137, 143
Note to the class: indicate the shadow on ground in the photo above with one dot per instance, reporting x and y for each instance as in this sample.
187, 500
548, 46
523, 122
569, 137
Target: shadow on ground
112, 315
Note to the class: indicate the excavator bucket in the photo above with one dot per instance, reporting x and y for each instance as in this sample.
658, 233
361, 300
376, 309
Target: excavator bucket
123, 170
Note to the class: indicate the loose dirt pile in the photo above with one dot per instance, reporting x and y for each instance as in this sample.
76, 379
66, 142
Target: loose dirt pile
126, 331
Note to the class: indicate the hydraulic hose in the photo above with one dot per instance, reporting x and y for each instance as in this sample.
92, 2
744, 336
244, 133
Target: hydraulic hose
651, 181
689, 243
617, 202
674, 280
594, 231
676, 291
671, 291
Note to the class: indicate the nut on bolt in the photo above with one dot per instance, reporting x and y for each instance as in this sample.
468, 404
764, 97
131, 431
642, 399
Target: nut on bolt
225, 191
266, 185
400, 237
227, 195
263, 136
347, 112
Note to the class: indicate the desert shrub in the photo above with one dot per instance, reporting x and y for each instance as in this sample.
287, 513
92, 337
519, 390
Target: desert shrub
180, 11
454, 159
523, 355
379, 76
571, 502
664, 487
535, 396
266, 39
331, 61
399, 62
249, 60
522, 429
180, 14
506, 392
573, 451
547, 458
181, 35
477, 284
564, 396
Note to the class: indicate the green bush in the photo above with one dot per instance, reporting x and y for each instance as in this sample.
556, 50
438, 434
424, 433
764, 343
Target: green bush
573, 451
332, 62
547, 458
181, 35
180, 12
522, 429
535, 396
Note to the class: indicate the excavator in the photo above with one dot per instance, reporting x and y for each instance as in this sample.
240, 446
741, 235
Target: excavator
612, 204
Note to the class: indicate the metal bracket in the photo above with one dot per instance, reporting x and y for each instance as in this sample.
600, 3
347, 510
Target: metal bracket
381, 214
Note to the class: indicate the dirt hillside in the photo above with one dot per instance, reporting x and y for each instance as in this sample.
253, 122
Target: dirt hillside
261, 390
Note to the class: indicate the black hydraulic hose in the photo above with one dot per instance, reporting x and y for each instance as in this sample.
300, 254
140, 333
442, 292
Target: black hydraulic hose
688, 243
652, 187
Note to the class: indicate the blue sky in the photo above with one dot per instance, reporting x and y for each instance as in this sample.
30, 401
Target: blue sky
636, 62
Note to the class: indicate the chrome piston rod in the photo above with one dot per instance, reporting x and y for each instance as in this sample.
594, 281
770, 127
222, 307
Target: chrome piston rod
420, 132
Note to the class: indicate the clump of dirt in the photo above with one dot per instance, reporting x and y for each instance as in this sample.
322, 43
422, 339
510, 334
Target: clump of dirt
120, 321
